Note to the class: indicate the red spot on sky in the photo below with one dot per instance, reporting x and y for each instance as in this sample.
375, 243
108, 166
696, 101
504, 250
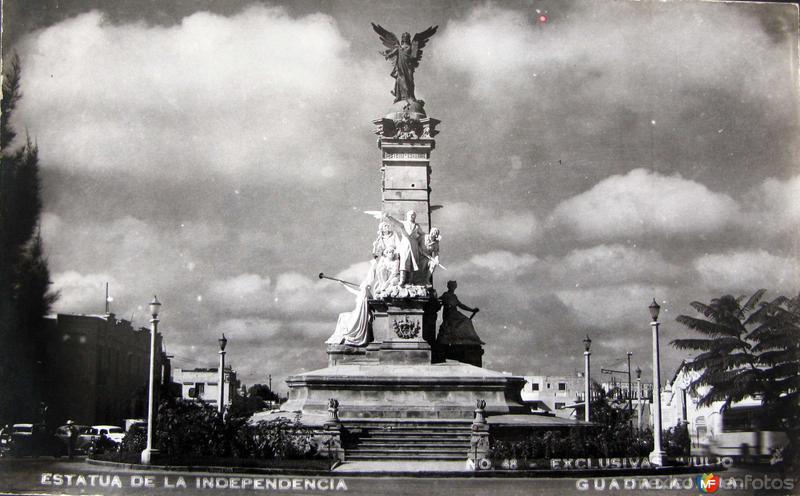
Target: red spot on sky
542, 18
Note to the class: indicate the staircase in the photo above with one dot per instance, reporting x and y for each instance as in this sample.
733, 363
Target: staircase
406, 439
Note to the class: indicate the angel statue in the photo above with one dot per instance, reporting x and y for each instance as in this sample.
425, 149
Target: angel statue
405, 55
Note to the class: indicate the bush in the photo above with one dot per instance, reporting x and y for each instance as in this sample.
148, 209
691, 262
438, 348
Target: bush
192, 429
135, 441
579, 443
280, 438
677, 441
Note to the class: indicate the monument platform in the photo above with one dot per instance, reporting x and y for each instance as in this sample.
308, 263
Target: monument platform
446, 390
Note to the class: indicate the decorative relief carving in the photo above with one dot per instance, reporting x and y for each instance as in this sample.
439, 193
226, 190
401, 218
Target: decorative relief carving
406, 329
407, 128
406, 155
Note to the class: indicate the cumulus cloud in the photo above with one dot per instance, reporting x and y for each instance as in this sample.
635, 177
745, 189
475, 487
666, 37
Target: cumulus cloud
643, 202
611, 264
83, 293
212, 95
468, 220
499, 264
243, 292
748, 270
775, 206
503, 50
612, 305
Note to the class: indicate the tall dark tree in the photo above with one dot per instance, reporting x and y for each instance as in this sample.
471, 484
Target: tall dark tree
750, 348
24, 278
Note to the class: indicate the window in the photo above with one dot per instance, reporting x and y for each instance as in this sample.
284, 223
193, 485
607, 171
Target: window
199, 389
559, 405
534, 386
548, 385
562, 386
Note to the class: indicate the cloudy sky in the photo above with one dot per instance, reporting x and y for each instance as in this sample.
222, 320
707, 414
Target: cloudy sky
220, 153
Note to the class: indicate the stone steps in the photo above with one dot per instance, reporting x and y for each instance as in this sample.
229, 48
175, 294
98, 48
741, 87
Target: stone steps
407, 440
418, 456
415, 440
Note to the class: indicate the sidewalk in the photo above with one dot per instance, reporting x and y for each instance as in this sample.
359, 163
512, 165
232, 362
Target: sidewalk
401, 467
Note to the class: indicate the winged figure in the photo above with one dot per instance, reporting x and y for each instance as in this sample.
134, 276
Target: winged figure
404, 55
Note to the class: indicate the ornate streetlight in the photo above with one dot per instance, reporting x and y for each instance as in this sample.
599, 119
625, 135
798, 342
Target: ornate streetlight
587, 343
149, 451
657, 456
630, 388
222, 343
639, 397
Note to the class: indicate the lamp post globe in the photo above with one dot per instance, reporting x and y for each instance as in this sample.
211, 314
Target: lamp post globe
638, 397
587, 344
223, 342
657, 456
149, 451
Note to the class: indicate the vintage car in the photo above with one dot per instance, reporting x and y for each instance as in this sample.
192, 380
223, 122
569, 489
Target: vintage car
83, 440
31, 440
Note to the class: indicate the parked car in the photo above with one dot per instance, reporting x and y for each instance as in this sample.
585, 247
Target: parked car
83, 441
113, 432
32, 440
135, 424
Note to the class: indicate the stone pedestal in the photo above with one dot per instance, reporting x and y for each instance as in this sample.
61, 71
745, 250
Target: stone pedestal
404, 329
371, 389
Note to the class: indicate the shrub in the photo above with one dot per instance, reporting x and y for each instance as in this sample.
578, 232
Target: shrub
280, 438
579, 443
677, 441
135, 441
190, 428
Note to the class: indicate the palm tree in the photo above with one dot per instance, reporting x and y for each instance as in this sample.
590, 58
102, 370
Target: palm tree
749, 349
727, 363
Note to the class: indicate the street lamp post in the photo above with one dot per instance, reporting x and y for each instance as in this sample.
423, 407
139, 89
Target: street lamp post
657, 456
639, 397
630, 388
221, 403
149, 451
587, 343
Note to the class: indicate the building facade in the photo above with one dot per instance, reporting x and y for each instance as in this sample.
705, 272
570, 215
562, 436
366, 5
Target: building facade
563, 396
555, 395
741, 429
97, 368
203, 384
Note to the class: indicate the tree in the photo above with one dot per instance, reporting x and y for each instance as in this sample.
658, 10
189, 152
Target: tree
751, 348
24, 277
263, 392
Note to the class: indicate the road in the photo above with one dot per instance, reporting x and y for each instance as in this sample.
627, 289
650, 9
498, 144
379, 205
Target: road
50, 476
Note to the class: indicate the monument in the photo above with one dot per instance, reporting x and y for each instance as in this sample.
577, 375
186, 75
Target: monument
389, 374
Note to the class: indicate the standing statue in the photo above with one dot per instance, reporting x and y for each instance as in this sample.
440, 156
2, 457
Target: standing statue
408, 246
429, 249
405, 55
456, 327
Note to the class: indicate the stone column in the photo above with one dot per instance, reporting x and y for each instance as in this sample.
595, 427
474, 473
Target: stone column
406, 141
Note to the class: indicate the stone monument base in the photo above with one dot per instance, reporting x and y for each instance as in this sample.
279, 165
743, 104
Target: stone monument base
375, 389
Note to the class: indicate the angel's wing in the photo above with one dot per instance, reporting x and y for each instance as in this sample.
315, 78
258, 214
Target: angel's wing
388, 38
420, 40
